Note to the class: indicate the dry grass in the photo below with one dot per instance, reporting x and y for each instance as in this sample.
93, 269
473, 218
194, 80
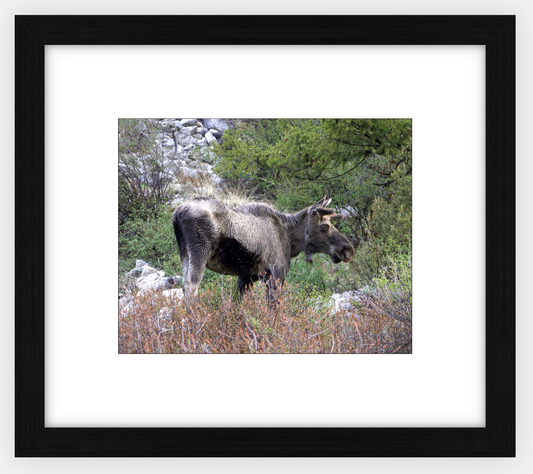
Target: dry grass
220, 323
201, 184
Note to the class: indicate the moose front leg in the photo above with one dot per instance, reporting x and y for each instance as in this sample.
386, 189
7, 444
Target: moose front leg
274, 282
245, 284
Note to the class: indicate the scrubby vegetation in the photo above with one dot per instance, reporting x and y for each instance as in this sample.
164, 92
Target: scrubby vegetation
219, 323
364, 165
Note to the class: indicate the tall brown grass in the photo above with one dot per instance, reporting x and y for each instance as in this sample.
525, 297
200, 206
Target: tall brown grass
220, 323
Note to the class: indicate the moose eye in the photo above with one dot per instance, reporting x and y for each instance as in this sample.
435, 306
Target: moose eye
324, 227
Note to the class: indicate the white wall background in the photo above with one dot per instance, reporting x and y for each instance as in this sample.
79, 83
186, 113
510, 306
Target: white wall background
524, 260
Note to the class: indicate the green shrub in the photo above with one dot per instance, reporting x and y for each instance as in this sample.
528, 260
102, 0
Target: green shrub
322, 276
150, 239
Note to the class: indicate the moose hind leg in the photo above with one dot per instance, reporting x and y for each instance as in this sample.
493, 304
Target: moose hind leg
193, 277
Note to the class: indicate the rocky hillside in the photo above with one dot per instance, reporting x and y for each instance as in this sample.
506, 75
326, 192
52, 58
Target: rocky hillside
187, 147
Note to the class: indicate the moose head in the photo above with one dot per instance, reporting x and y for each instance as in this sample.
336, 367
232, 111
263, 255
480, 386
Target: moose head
322, 237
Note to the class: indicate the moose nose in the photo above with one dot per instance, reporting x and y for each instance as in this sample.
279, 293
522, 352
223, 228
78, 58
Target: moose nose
348, 254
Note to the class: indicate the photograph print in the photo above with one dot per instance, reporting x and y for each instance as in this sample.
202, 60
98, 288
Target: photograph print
265, 236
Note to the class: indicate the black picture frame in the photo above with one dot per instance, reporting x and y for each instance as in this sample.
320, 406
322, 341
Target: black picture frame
33, 33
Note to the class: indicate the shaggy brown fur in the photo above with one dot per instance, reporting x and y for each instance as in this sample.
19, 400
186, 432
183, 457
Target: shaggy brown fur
253, 241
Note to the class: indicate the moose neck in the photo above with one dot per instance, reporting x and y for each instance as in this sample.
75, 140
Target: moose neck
297, 224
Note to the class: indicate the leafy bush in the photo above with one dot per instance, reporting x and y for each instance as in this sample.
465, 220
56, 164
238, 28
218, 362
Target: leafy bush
389, 224
394, 287
321, 276
150, 239
143, 180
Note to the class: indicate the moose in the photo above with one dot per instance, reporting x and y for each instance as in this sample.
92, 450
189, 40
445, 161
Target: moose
253, 241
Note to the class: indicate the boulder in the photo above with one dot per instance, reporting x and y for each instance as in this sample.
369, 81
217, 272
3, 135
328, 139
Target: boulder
147, 281
177, 152
167, 142
347, 300
188, 122
155, 282
132, 274
148, 270
187, 141
217, 124
187, 131
210, 137
352, 295
341, 302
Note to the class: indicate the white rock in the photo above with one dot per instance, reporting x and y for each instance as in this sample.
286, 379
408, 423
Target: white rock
186, 131
187, 141
351, 295
202, 142
140, 263
148, 280
210, 138
155, 282
176, 293
147, 270
218, 124
188, 122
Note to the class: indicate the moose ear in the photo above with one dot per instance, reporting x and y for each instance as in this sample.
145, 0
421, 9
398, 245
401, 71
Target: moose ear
321, 202
336, 217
